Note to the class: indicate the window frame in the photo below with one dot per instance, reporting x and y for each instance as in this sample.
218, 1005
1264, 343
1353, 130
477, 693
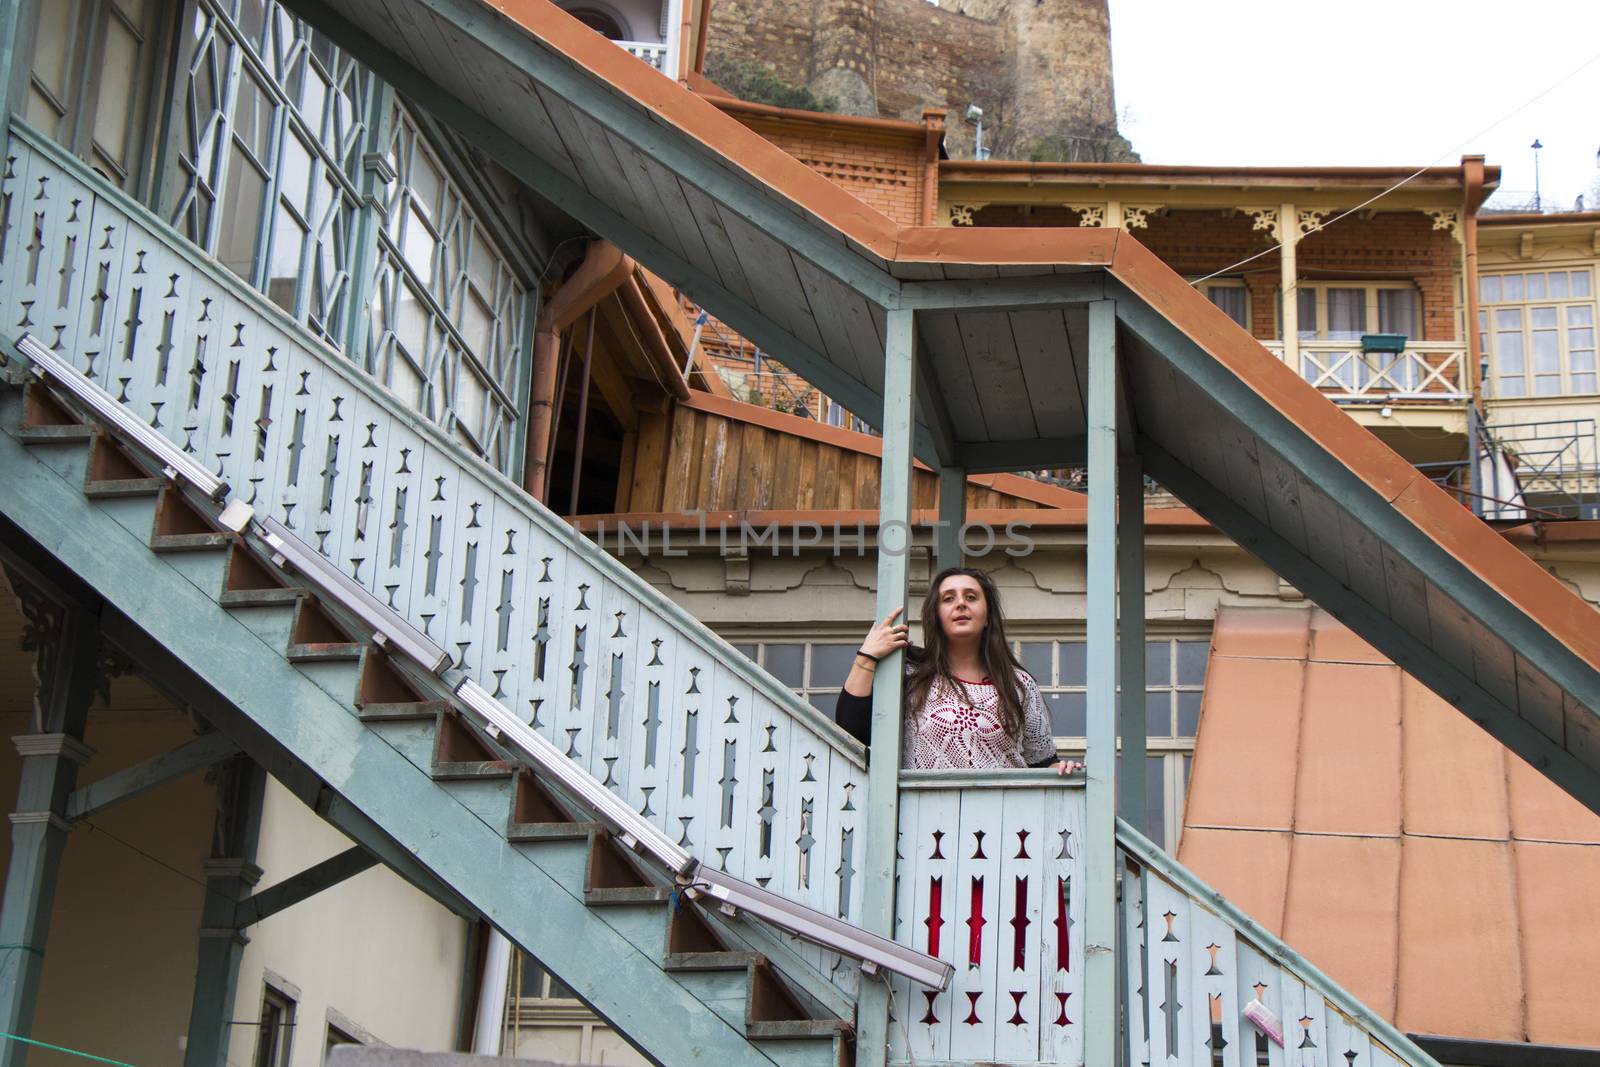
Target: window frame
1490, 331
1319, 333
1205, 288
276, 1050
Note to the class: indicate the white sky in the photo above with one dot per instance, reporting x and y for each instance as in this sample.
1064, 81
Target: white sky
1363, 82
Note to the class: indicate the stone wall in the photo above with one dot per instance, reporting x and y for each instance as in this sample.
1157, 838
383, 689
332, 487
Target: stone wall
1039, 69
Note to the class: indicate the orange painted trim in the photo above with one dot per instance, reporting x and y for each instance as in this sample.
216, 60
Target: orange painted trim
1157, 519
1090, 246
826, 120
988, 169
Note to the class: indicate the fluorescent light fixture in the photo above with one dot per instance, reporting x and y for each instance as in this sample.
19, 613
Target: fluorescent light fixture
391, 632
636, 831
873, 951
176, 463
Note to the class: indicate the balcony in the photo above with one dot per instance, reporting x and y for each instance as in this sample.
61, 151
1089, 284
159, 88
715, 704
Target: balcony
652, 52
1427, 372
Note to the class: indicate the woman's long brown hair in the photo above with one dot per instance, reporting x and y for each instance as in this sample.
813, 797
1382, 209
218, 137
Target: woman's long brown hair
933, 660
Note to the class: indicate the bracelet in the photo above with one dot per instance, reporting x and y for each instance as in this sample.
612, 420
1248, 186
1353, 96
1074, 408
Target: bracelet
869, 655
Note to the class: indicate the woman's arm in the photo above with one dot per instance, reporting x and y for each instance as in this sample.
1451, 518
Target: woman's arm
854, 708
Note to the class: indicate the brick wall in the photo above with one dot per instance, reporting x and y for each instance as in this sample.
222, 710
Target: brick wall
885, 169
1389, 246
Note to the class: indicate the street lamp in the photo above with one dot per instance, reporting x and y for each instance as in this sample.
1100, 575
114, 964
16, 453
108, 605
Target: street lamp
1537, 206
974, 117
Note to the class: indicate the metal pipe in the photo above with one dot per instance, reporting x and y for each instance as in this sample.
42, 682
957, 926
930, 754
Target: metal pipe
583, 416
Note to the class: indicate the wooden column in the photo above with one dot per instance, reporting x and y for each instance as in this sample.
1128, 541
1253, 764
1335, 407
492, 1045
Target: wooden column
883, 780
1100, 822
952, 516
1130, 619
1288, 239
67, 644
231, 873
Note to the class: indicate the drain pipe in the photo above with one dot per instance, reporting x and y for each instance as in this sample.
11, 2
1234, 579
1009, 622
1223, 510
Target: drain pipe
603, 269
489, 1026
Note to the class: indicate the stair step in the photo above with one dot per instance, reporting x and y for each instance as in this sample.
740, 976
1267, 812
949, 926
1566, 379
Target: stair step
189, 542
823, 1050
112, 472
711, 961
797, 1028
102, 488
260, 598
522, 832
628, 894
43, 435
415, 710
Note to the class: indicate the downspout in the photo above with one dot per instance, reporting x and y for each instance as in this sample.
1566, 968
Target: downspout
700, 40
603, 269
1472, 174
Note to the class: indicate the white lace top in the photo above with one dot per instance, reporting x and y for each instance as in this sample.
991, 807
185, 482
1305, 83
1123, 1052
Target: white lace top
956, 732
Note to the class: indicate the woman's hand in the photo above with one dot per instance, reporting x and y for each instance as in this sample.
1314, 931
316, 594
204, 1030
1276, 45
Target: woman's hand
887, 636
1066, 767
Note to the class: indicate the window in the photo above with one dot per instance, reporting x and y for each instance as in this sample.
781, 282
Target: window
448, 312
1344, 311
533, 982
89, 82
275, 1029
268, 155
1175, 671
1232, 297
1537, 329
336, 1037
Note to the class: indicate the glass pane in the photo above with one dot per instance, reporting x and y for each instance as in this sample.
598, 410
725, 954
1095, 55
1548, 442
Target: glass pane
1155, 800
477, 326
1347, 314
747, 651
419, 245
1158, 713
252, 117
1157, 663
831, 663
1231, 299
118, 107
241, 217
1536, 287
1188, 714
786, 663
1306, 308
283, 272
294, 173
1580, 283
826, 703
1558, 285
532, 984
1069, 713
1513, 287
1192, 662
1037, 661
1580, 315
1583, 383
1543, 318
1397, 311
1489, 288
1074, 667
53, 44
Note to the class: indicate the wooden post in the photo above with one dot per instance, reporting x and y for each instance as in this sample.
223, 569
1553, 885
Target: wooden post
1130, 611
69, 646
1289, 301
948, 550
230, 875
1100, 822
883, 781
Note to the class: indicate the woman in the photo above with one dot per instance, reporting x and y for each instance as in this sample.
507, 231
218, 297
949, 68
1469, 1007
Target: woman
969, 702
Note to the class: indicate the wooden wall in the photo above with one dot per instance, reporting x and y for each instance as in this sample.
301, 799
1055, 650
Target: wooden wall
722, 455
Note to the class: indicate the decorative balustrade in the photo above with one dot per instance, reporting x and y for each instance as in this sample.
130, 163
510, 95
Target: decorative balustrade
988, 866
1423, 370
652, 52
1195, 964
734, 767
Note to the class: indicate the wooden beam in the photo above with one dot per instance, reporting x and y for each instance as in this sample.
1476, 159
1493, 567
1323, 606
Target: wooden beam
1130, 630
1100, 1024
153, 773
1056, 290
888, 683
308, 883
948, 550
1002, 457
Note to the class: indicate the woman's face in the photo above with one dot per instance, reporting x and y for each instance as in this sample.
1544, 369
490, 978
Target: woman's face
963, 611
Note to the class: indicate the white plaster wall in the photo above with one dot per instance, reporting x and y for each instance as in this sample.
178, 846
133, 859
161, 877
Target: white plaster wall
372, 948
642, 18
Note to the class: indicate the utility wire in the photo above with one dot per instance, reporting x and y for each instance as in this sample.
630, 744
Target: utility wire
1579, 69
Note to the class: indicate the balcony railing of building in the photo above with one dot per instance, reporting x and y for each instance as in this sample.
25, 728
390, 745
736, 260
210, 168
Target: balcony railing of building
1423, 371
652, 52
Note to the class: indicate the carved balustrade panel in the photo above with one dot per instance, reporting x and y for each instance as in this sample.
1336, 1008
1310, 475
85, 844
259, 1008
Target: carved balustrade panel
719, 756
988, 869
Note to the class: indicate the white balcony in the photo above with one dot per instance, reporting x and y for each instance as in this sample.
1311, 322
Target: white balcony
1425, 371
652, 52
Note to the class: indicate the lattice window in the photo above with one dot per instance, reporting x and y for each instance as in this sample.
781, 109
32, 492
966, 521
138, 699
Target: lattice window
448, 312
1538, 330
89, 81
267, 155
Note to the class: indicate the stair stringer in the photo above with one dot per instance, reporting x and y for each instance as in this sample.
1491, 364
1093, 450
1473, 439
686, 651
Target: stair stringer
174, 602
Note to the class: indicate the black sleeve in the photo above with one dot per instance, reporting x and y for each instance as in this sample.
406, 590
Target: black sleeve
855, 715
1049, 761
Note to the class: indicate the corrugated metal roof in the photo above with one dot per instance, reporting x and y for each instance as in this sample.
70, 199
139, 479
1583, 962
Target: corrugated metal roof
1433, 873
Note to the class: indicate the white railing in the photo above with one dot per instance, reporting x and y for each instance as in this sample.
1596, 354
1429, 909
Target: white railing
652, 52
989, 870
1423, 370
730, 765
1206, 986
